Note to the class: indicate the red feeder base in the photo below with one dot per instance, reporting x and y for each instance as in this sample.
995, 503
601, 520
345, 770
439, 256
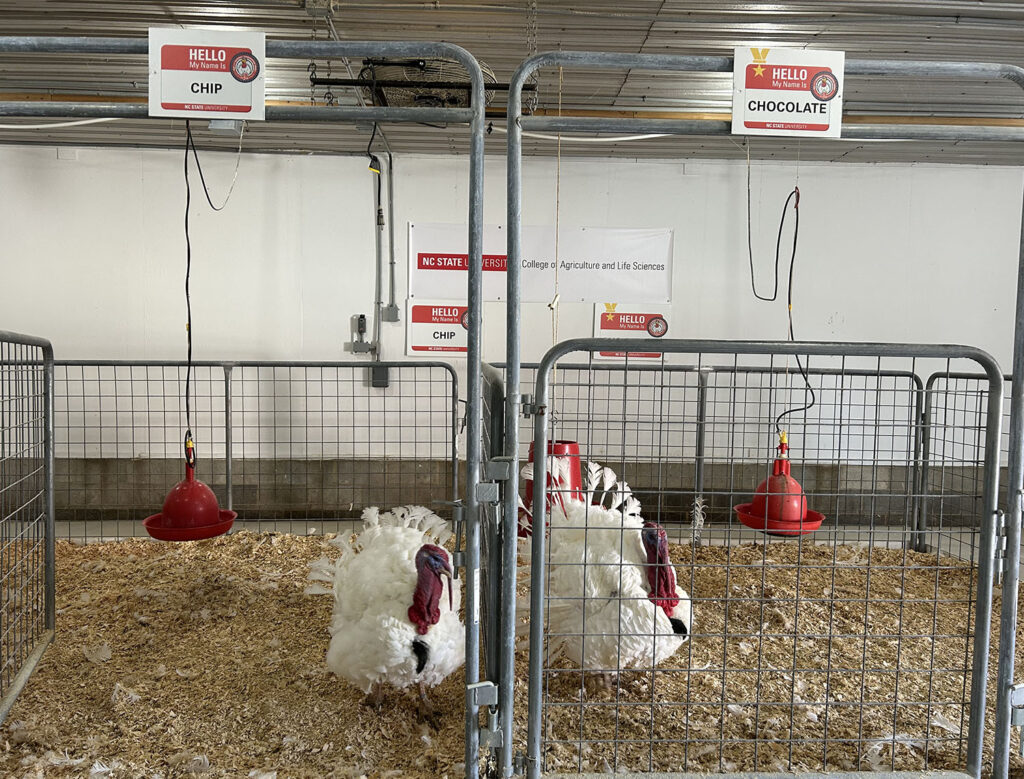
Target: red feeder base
778, 527
779, 507
157, 527
190, 513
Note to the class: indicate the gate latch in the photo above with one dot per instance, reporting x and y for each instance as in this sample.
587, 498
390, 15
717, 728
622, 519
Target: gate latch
527, 406
482, 694
485, 694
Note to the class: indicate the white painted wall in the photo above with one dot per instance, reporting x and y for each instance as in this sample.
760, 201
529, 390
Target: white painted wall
93, 249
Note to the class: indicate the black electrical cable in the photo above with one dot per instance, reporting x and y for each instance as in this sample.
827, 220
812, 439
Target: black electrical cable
778, 242
795, 197
190, 457
190, 144
789, 311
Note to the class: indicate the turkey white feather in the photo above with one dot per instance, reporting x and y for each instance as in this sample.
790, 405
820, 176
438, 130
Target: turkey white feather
392, 621
613, 601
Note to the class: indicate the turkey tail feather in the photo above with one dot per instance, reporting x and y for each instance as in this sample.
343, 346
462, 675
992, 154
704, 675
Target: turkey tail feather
416, 517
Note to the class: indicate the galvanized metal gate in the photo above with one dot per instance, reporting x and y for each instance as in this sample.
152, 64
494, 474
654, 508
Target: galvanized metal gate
1006, 693
862, 645
472, 116
27, 604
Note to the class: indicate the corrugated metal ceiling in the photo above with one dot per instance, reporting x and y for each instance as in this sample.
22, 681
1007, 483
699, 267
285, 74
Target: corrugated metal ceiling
499, 33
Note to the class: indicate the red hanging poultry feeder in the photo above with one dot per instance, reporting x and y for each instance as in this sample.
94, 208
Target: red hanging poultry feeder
190, 511
573, 490
780, 507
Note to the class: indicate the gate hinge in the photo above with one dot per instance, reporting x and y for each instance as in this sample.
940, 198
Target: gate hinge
487, 492
527, 405
519, 764
490, 734
498, 469
482, 694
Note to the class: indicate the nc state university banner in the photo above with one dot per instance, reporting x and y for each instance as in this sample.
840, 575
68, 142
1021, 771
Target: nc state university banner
594, 263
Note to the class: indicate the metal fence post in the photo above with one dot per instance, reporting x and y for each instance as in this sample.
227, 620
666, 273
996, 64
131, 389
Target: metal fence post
228, 437
702, 416
48, 449
473, 411
1015, 490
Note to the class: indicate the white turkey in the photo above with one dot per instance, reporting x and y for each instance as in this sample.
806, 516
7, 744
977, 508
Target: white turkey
612, 598
392, 620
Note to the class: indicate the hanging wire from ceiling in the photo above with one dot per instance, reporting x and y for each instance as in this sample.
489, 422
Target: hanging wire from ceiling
190, 451
793, 197
234, 178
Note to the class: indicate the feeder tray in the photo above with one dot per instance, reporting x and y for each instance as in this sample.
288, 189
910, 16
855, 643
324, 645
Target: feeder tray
779, 507
190, 513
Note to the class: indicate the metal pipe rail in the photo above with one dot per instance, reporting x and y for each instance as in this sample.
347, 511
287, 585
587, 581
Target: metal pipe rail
677, 63
876, 350
473, 116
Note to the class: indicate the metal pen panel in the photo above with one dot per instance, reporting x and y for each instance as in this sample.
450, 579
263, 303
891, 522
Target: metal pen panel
892, 68
839, 646
27, 579
294, 446
474, 116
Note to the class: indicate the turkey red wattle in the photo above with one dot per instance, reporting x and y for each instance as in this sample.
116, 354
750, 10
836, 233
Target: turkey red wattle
661, 576
431, 564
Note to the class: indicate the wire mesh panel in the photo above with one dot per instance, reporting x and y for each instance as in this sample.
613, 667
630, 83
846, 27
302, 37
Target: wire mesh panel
26, 533
676, 638
320, 442
953, 451
119, 439
288, 446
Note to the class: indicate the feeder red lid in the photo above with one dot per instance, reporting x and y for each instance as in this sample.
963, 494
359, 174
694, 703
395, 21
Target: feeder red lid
190, 513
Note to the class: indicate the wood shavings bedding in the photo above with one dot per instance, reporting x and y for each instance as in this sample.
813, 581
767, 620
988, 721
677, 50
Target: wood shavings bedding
788, 640
206, 659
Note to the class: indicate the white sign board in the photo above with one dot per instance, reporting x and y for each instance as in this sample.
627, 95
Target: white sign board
795, 92
617, 320
592, 263
206, 74
436, 327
